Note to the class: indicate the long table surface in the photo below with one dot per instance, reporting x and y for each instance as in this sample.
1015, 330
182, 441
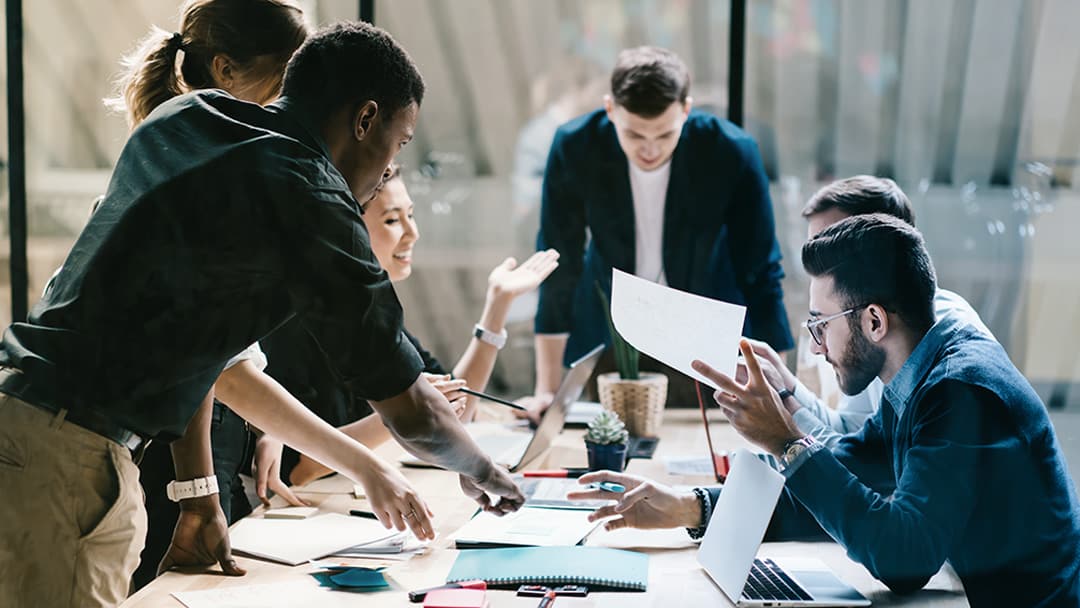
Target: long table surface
675, 578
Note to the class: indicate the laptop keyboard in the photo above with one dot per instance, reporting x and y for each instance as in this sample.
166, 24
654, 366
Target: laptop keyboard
767, 581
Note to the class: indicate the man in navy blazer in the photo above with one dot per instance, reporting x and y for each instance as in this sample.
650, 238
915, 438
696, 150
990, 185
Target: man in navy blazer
650, 187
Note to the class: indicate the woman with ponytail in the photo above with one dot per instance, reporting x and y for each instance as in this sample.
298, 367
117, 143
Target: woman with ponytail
241, 47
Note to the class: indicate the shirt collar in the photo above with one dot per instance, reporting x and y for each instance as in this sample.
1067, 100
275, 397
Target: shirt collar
899, 391
301, 127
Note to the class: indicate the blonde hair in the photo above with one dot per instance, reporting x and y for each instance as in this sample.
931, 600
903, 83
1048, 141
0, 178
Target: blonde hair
240, 29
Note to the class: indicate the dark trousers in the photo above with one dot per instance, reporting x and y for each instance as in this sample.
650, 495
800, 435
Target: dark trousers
233, 446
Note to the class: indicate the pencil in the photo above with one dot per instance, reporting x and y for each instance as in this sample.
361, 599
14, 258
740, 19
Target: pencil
469, 391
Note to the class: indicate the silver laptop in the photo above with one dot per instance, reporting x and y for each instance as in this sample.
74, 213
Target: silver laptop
516, 450
728, 552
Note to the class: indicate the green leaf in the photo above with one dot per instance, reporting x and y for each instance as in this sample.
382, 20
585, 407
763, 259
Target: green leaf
626, 356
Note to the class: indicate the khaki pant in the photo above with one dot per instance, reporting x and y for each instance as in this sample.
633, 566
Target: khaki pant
72, 520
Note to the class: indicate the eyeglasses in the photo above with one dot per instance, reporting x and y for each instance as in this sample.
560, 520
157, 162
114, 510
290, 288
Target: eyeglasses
816, 327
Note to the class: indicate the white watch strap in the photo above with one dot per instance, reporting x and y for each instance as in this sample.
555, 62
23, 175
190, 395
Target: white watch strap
192, 488
498, 340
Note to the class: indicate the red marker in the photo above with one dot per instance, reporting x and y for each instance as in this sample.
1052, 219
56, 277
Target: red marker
547, 600
418, 596
571, 473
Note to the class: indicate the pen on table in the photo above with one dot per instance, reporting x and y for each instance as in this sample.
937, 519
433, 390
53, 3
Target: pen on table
365, 514
418, 596
571, 473
607, 486
469, 391
547, 600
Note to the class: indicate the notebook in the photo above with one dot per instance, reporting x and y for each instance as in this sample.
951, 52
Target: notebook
739, 520
598, 567
527, 527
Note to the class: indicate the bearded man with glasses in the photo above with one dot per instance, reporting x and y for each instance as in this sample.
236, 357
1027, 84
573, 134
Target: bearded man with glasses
976, 476
857, 195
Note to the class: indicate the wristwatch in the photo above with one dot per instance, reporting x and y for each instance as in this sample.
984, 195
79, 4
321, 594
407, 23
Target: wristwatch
498, 340
192, 488
795, 447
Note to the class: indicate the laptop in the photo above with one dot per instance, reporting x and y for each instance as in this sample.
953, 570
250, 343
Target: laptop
728, 552
516, 450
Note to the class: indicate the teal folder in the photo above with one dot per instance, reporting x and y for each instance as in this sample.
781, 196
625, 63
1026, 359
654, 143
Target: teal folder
596, 567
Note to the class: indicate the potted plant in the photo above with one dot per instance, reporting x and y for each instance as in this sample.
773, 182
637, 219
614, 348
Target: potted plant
605, 442
638, 398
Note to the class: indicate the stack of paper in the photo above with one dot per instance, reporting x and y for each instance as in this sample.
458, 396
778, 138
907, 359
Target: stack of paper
296, 541
399, 547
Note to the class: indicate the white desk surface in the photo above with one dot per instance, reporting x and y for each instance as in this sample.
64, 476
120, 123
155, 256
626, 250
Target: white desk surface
675, 578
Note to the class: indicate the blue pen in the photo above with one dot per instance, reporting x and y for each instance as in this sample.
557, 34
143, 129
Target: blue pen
608, 486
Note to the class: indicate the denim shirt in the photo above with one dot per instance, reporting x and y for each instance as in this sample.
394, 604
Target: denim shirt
979, 478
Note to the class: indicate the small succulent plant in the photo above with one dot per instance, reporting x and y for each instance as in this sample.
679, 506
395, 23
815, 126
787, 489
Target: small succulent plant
607, 429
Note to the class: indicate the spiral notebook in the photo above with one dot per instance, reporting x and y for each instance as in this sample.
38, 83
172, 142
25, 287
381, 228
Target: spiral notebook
599, 568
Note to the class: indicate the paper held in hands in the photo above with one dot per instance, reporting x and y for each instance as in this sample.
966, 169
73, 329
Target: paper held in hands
676, 327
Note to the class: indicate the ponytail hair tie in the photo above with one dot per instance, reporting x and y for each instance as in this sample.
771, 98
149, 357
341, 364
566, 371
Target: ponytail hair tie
176, 41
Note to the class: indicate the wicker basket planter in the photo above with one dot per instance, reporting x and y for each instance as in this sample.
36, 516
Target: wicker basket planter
639, 403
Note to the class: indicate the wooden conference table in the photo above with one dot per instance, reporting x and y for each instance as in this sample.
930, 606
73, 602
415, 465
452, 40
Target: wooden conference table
675, 578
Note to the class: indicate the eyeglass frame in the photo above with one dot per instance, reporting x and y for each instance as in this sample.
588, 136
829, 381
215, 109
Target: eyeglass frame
812, 324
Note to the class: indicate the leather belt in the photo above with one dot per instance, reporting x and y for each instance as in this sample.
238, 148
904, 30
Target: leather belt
14, 382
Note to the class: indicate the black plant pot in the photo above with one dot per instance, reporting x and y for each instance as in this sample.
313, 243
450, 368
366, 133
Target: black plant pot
610, 456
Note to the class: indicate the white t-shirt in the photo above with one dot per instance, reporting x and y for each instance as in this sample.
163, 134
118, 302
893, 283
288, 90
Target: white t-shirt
649, 191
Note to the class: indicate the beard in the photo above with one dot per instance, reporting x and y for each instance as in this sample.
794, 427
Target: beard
860, 363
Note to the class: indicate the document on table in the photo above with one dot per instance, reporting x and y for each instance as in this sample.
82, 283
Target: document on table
676, 327
297, 541
689, 465
269, 595
402, 546
527, 527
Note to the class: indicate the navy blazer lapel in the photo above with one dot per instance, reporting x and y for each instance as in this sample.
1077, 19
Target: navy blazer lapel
617, 180
678, 254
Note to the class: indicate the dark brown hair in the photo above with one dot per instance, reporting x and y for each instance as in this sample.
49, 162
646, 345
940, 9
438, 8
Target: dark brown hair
241, 29
876, 259
648, 79
862, 194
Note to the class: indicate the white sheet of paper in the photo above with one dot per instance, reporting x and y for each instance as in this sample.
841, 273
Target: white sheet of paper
334, 484
270, 595
676, 327
295, 541
689, 465
582, 412
528, 527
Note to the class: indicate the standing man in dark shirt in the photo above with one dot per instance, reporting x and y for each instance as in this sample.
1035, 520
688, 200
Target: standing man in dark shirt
222, 220
675, 196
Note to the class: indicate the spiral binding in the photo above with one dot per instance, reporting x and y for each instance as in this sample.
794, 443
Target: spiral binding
561, 580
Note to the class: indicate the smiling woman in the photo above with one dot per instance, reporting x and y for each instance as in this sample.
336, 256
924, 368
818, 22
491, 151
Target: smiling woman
393, 232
